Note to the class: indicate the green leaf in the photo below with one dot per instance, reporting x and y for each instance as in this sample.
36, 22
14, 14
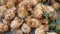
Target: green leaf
57, 30
49, 21
46, 14
56, 22
52, 26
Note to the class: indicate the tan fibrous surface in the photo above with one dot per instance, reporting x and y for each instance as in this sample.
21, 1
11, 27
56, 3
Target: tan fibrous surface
32, 22
56, 5
10, 3
16, 23
6, 21
52, 12
44, 21
51, 33
58, 26
25, 28
23, 15
3, 8
42, 29
19, 31
22, 12
10, 13
3, 27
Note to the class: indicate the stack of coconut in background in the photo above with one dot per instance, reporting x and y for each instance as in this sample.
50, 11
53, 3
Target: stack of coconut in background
24, 15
